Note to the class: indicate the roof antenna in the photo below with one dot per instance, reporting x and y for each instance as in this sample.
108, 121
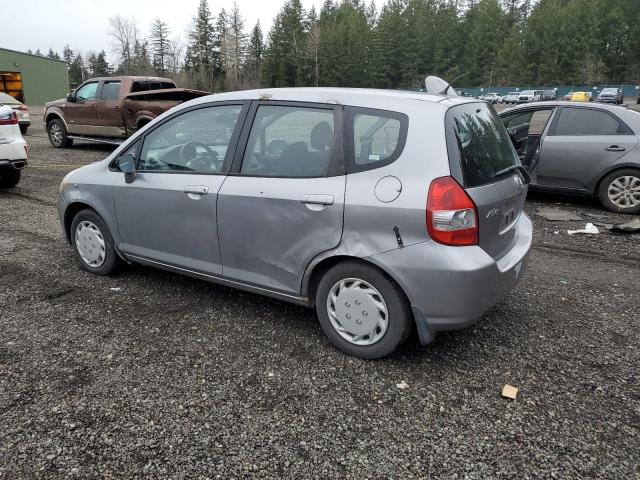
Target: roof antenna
444, 92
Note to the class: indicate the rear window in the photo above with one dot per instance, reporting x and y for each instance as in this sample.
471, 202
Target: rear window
478, 144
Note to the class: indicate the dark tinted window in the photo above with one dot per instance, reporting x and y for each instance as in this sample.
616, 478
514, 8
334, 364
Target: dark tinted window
290, 142
584, 121
477, 139
111, 90
140, 86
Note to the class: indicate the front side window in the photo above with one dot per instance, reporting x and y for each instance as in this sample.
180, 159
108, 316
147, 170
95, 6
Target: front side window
195, 141
290, 142
111, 90
87, 92
585, 121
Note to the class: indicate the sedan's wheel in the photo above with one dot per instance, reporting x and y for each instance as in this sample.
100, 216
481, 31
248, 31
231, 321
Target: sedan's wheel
10, 177
363, 312
93, 244
58, 134
620, 191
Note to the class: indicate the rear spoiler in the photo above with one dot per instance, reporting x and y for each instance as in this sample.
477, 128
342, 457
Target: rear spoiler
178, 94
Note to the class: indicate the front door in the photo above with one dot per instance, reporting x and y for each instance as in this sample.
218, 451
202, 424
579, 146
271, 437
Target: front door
582, 142
283, 203
168, 213
81, 115
109, 110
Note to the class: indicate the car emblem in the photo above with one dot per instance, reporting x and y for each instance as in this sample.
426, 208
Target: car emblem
493, 212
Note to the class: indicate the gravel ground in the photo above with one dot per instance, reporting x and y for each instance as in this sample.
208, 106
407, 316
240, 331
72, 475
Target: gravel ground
153, 375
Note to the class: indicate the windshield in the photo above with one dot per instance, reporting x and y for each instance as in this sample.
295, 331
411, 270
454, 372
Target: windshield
512, 93
477, 139
609, 90
527, 92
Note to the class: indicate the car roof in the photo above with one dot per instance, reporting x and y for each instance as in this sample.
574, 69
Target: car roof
340, 96
131, 77
7, 99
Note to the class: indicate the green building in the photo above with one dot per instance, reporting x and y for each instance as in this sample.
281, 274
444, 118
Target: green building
32, 79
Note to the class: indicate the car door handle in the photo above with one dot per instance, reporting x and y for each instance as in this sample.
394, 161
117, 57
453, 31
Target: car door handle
615, 148
317, 199
196, 190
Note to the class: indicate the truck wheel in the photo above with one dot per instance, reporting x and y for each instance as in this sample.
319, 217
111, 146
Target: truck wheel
620, 191
10, 178
58, 134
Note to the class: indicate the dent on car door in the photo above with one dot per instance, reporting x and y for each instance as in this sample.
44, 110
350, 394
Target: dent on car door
283, 203
582, 143
168, 213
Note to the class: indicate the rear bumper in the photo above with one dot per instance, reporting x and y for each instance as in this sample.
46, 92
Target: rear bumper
13, 155
451, 287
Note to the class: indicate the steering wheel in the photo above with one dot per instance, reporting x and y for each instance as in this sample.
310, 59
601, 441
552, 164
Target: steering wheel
189, 154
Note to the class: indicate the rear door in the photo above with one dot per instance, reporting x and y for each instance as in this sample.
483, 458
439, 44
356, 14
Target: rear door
283, 203
479, 150
581, 143
109, 109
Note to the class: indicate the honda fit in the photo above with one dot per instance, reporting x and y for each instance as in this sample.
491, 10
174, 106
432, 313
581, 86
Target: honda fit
381, 209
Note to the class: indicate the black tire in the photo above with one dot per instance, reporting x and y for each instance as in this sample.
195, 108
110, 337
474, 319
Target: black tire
605, 186
58, 135
112, 261
23, 129
400, 318
10, 177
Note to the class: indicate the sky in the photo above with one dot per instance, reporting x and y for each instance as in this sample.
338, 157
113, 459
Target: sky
83, 24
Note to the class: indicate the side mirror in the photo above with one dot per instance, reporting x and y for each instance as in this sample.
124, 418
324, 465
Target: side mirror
127, 165
71, 97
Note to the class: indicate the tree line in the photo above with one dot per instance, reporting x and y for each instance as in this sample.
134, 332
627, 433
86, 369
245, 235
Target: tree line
351, 43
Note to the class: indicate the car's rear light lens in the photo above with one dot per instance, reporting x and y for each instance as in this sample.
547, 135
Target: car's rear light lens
452, 217
10, 118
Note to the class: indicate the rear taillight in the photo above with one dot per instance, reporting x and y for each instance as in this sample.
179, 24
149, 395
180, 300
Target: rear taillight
10, 118
452, 218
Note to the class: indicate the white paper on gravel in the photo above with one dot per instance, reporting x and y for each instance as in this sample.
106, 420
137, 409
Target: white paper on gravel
590, 229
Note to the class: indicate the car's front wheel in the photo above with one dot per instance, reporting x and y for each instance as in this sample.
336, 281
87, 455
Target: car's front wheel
93, 244
10, 177
620, 191
363, 312
58, 135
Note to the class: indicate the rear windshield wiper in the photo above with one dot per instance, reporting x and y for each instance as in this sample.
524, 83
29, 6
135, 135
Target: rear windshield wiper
523, 171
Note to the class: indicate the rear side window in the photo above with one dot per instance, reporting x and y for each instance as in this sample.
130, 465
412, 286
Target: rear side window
110, 90
478, 144
140, 86
377, 137
585, 121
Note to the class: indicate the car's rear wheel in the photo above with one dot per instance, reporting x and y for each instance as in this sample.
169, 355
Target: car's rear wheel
23, 129
620, 191
10, 177
363, 312
93, 244
58, 135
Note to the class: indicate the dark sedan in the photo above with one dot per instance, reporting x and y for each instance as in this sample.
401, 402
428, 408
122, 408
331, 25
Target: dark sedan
611, 95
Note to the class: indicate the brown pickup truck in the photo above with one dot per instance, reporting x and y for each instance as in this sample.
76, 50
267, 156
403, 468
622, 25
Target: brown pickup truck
111, 109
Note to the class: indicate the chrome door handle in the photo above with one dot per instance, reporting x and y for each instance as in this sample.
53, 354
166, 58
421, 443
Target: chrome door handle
615, 148
196, 189
317, 199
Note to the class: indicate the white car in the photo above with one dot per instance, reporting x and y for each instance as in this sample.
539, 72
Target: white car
529, 96
13, 148
511, 97
492, 98
24, 120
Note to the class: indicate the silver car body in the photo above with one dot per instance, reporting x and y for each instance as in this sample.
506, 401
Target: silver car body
576, 163
270, 235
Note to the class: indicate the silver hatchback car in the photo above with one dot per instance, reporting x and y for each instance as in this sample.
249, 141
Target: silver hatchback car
382, 209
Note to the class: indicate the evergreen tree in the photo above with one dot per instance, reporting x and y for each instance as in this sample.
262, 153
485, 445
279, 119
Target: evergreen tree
159, 41
200, 56
253, 65
237, 46
53, 55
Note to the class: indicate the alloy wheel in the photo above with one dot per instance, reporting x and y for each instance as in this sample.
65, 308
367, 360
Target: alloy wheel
624, 192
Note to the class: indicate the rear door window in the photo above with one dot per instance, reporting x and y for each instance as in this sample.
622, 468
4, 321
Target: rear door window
586, 121
110, 90
478, 144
